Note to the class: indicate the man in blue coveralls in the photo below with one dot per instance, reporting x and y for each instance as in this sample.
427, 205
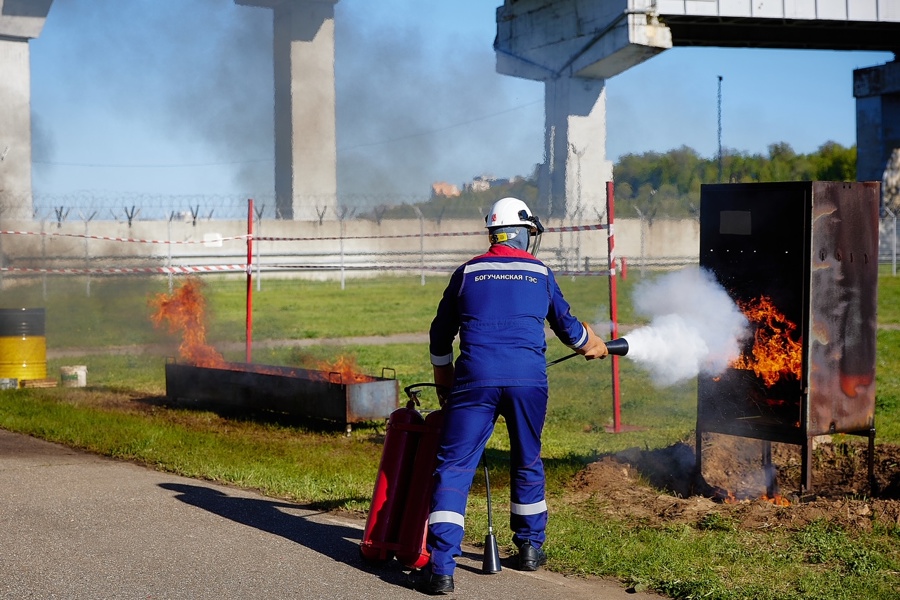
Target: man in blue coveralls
497, 304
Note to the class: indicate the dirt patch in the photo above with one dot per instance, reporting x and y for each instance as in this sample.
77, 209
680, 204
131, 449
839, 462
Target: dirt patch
660, 487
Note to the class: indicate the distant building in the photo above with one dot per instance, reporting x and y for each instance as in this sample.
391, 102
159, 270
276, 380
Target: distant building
481, 183
442, 188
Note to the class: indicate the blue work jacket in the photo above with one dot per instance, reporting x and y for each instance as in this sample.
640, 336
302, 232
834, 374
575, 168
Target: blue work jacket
497, 303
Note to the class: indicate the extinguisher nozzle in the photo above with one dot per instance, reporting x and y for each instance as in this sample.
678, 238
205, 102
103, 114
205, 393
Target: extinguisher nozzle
617, 347
491, 562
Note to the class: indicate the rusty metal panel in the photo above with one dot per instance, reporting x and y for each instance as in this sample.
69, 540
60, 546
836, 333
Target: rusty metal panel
294, 391
843, 302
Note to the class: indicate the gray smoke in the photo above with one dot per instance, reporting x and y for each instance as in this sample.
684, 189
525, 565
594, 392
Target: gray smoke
695, 326
419, 104
198, 73
416, 103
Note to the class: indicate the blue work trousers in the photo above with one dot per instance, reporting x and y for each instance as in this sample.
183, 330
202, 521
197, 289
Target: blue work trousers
469, 418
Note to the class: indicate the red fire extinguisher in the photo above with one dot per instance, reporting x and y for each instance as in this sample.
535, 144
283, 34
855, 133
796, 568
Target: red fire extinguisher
414, 527
397, 519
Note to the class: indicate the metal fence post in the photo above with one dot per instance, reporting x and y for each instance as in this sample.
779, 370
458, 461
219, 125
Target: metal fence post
421, 243
893, 238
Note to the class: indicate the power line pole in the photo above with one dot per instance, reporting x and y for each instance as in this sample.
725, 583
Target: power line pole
720, 129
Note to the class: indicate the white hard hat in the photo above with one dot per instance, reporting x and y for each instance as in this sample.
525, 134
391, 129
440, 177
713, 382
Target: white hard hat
507, 212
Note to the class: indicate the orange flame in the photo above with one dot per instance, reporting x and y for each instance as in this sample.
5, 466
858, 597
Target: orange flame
775, 499
184, 311
775, 353
343, 370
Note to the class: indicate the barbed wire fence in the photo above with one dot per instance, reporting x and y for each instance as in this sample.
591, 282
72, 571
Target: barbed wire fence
89, 236
75, 241
130, 207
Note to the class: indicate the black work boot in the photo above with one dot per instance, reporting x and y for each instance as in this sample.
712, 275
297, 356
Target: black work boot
530, 558
428, 583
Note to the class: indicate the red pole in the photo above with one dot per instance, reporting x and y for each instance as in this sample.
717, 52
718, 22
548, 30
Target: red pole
613, 304
249, 278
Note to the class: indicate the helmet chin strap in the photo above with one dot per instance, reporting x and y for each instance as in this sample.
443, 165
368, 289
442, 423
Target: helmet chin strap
535, 235
535, 242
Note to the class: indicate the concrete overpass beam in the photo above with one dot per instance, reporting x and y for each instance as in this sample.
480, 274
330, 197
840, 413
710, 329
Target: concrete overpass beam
305, 130
20, 21
544, 39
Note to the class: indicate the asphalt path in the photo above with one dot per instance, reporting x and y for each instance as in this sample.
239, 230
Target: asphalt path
74, 525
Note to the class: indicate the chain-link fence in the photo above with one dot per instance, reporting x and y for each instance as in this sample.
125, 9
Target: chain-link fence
887, 250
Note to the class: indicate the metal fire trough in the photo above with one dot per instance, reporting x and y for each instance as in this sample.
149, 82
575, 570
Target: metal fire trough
812, 248
298, 392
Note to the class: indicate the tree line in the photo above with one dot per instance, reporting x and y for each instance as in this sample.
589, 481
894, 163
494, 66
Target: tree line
655, 185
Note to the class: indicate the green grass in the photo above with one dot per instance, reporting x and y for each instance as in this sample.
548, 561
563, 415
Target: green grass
117, 311
711, 559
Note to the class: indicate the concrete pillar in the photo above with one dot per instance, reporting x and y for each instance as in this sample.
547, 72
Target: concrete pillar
877, 93
574, 46
573, 176
305, 131
19, 23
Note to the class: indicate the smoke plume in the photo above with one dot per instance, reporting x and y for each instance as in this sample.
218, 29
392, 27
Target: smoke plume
422, 103
190, 84
695, 326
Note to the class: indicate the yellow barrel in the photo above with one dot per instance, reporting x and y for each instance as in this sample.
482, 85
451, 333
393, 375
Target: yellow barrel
23, 347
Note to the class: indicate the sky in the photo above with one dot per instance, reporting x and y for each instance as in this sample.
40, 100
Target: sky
149, 98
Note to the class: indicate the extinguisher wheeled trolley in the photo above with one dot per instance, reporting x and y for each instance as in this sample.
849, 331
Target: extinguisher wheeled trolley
397, 523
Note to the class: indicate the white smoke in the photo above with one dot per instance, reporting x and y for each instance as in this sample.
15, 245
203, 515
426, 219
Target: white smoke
695, 326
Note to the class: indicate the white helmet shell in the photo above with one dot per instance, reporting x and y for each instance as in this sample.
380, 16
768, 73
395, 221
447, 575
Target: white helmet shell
509, 212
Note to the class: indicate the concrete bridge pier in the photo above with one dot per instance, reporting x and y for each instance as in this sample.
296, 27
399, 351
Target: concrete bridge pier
19, 23
574, 47
305, 127
575, 170
877, 93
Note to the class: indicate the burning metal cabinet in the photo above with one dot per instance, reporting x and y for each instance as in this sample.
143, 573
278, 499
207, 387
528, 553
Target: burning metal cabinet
812, 249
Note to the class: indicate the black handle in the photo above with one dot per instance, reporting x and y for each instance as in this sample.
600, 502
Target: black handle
616, 347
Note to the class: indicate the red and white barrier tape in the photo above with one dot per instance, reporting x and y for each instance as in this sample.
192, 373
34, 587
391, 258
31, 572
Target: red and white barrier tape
288, 239
420, 235
415, 268
184, 270
118, 239
128, 270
